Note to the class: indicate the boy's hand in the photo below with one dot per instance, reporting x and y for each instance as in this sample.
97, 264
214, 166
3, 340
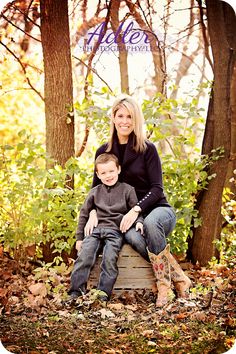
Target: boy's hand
139, 227
78, 245
91, 223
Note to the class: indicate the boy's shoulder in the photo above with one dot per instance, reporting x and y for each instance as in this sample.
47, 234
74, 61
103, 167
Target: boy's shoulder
96, 188
126, 185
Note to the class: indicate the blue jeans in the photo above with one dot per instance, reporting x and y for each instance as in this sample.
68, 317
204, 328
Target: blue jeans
158, 224
111, 241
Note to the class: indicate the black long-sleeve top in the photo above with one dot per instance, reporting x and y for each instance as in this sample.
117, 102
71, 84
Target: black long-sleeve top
111, 204
143, 171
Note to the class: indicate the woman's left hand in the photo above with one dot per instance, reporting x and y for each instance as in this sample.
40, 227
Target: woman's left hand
128, 220
139, 227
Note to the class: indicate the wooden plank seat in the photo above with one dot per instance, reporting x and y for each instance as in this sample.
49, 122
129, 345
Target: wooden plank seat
134, 272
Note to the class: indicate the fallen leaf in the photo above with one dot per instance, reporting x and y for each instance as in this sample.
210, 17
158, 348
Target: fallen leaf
31, 250
148, 332
106, 313
199, 315
117, 307
38, 289
1, 251
131, 307
151, 343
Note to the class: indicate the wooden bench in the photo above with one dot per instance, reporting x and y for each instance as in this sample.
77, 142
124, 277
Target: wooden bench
134, 272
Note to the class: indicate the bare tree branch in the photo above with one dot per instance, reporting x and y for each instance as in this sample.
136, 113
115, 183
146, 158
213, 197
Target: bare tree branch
26, 16
94, 71
24, 70
94, 50
204, 35
89, 70
27, 34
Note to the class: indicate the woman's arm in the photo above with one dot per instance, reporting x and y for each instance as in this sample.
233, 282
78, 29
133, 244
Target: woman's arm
154, 177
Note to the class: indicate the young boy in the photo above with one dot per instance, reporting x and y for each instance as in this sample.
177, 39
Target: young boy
112, 200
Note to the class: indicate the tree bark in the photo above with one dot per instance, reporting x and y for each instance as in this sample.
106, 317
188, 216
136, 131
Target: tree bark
231, 35
58, 89
157, 53
218, 134
123, 56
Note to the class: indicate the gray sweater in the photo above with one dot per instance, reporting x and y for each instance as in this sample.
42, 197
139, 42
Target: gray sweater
111, 204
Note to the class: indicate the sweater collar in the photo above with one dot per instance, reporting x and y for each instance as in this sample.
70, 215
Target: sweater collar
111, 187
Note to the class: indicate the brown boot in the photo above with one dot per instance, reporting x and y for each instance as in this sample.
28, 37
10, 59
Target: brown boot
161, 268
181, 281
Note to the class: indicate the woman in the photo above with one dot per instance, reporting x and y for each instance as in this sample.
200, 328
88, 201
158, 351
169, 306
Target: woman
141, 168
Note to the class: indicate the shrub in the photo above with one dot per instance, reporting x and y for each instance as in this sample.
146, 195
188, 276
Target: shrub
35, 204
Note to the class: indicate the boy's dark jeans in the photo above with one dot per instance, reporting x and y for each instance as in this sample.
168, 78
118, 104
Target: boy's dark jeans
112, 241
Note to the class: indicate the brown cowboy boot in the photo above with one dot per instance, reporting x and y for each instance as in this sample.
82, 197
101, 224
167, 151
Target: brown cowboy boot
181, 281
161, 268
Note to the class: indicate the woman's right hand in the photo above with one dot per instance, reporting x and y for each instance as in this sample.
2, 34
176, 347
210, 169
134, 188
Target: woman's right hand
91, 223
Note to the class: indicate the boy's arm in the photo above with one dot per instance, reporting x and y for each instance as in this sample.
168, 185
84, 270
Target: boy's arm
84, 215
78, 245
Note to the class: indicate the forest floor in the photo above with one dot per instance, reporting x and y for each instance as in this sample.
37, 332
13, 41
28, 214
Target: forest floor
34, 320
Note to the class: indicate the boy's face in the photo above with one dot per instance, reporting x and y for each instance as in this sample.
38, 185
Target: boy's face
108, 173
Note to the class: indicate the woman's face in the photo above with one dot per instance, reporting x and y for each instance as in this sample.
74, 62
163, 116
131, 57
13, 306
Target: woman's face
124, 124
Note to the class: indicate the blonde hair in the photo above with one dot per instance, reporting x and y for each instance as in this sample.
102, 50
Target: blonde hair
136, 113
105, 158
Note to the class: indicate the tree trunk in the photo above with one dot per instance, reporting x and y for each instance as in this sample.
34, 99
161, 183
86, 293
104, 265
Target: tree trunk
157, 53
123, 56
232, 163
58, 80
218, 134
231, 35
58, 88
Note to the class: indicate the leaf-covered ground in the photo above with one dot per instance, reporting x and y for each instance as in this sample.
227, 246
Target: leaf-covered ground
34, 320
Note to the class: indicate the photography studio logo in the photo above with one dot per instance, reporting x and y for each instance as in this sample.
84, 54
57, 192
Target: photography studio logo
128, 36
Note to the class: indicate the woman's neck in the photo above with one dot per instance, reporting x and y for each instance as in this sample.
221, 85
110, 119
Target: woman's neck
123, 139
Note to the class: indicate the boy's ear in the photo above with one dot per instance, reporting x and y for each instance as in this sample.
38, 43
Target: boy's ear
119, 170
97, 175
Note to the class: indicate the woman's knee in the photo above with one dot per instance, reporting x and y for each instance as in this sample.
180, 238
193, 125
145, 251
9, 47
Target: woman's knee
161, 221
131, 236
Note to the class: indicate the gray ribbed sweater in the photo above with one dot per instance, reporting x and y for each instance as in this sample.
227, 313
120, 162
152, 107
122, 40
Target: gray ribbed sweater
111, 203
